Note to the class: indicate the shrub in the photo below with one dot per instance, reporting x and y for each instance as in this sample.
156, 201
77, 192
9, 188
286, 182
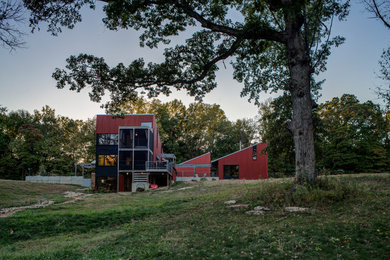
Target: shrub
326, 191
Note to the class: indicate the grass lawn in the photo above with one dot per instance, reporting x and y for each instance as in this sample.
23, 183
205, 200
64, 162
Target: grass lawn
22, 193
349, 218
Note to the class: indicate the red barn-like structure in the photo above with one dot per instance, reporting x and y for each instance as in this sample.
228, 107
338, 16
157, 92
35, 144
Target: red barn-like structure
248, 163
196, 167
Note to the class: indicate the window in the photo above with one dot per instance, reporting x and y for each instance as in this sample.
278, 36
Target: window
126, 138
106, 183
141, 138
140, 158
125, 160
254, 152
151, 140
107, 139
107, 160
147, 124
230, 171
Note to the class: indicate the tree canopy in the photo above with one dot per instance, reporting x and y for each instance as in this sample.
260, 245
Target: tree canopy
350, 136
272, 45
43, 142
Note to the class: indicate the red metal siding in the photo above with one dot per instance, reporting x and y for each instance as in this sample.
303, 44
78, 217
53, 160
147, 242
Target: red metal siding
107, 124
248, 168
201, 171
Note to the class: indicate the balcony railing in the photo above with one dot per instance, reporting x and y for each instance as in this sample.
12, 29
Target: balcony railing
159, 167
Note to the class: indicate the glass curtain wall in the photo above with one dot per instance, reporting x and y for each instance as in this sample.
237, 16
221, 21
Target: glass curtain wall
135, 148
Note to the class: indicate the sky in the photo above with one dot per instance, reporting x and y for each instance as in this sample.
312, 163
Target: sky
26, 82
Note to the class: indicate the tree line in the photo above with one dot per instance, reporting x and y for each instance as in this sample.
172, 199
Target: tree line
350, 136
43, 143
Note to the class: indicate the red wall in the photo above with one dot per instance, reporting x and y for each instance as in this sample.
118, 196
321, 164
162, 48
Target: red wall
248, 168
189, 171
107, 124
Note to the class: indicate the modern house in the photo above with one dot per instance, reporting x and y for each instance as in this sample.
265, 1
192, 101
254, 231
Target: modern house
129, 157
248, 163
129, 154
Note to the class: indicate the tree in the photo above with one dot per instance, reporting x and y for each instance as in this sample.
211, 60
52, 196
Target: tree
11, 15
274, 117
272, 45
354, 136
381, 11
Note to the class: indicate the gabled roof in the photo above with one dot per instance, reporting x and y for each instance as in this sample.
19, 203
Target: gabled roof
193, 158
235, 152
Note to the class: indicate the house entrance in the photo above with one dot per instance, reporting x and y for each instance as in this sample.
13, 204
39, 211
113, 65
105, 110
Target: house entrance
125, 182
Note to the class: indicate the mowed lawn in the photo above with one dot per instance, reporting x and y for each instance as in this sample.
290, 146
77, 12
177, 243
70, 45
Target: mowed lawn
349, 218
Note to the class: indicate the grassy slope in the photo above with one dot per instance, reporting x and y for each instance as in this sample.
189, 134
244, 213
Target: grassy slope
351, 220
21, 193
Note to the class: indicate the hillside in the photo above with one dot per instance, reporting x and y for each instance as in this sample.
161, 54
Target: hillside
347, 217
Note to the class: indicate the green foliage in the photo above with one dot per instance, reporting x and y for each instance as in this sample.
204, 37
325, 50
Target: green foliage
254, 38
353, 135
43, 142
384, 74
349, 136
325, 192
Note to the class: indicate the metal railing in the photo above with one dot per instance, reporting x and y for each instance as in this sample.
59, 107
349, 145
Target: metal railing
159, 166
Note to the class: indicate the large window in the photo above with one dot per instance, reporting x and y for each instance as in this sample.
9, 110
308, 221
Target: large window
140, 158
107, 160
107, 139
126, 138
125, 160
141, 138
151, 140
106, 183
230, 171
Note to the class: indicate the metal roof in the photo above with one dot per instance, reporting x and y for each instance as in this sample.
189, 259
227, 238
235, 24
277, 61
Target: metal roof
235, 152
193, 158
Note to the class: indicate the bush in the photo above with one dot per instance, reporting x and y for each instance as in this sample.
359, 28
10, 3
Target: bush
326, 191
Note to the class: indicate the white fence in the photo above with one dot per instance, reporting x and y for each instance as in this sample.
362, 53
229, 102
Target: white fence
196, 178
76, 180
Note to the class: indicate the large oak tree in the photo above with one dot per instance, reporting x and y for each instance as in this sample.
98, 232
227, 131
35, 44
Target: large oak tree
272, 45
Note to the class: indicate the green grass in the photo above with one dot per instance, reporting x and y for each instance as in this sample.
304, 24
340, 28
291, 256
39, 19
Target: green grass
349, 218
22, 193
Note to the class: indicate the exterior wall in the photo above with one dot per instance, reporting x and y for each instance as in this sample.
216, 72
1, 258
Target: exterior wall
107, 124
248, 168
109, 171
189, 171
76, 180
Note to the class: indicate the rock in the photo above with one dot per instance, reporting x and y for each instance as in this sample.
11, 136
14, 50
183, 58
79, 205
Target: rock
296, 209
186, 188
238, 206
261, 208
230, 202
255, 212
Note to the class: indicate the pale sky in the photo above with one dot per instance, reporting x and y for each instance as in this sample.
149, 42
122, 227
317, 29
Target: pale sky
26, 83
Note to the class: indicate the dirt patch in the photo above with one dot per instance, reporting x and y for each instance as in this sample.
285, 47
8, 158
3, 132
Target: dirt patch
6, 212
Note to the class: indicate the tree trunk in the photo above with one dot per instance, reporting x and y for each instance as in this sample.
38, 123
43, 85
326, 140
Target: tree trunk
302, 104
